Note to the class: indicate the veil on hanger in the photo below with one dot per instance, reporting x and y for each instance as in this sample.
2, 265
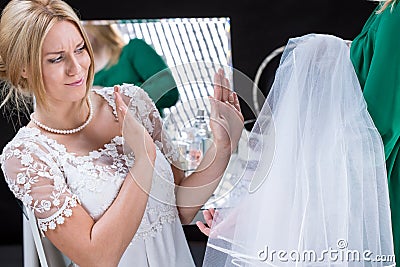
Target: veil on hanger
323, 198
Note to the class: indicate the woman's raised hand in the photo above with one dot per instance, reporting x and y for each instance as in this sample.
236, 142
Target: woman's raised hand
208, 217
226, 120
134, 133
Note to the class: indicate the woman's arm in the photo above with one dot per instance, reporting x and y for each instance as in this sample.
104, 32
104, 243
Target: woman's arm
370, 51
194, 191
226, 122
102, 242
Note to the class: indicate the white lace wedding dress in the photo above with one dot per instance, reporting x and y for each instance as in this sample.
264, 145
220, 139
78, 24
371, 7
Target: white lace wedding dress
51, 181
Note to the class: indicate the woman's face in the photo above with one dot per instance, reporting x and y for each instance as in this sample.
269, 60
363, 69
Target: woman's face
65, 63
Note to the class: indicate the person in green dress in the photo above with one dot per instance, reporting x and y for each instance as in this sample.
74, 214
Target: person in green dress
375, 55
135, 62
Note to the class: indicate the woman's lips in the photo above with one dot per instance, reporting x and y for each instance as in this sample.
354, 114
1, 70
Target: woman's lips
76, 83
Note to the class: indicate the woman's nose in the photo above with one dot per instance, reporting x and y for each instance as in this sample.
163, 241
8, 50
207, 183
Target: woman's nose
73, 67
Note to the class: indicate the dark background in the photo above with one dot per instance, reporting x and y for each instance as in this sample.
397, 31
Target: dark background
257, 28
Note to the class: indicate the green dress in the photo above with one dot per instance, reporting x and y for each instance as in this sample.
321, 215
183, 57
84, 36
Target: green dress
137, 63
375, 54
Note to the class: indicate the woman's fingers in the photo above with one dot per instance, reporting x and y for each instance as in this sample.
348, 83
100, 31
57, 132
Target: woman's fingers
226, 88
208, 217
134, 133
204, 229
222, 87
219, 108
217, 86
212, 211
213, 107
119, 103
236, 102
231, 98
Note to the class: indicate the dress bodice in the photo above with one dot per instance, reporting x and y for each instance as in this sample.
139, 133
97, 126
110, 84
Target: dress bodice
49, 179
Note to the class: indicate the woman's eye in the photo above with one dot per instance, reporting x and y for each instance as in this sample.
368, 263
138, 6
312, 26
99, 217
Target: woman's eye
55, 60
81, 49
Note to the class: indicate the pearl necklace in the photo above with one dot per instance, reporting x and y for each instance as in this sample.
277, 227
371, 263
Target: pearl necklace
70, 131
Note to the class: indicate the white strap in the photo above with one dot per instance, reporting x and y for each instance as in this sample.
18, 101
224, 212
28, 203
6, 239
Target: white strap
36, 237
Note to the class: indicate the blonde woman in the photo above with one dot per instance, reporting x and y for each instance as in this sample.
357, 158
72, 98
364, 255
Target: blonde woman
135, 62
376, 58
94, 171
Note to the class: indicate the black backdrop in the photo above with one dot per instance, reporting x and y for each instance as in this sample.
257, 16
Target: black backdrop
257, 28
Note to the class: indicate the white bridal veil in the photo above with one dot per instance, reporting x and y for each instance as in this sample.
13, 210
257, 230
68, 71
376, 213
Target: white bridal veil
323, 200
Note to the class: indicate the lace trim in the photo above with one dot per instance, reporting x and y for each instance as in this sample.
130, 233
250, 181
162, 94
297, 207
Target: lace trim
170, 151
58, 217
108, 94
143, 107
152, 229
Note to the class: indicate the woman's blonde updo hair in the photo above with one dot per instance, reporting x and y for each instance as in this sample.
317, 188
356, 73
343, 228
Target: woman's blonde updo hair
107, 35
23, 27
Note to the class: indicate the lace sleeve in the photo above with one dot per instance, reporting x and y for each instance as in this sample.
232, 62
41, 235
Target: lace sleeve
145, 110
35, 179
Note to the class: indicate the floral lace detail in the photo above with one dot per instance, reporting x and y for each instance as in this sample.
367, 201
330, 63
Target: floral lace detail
36, 167
140, 103
108, 95
149, 227
52, 181
147, 114
58, 217
169, 150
